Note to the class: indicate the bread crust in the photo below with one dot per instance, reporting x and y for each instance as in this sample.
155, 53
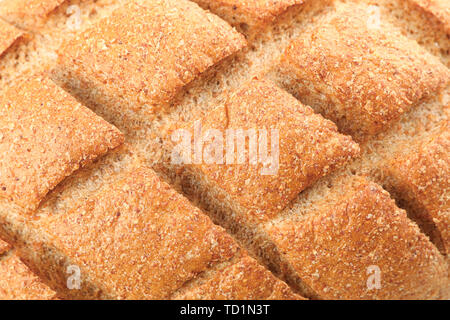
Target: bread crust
440, 9
17, 282
309, 148
333, 249
4, 247
8, 35
28, 14
420, 177
249, 16
147, 51
45, 135
141, 239
157, 63
336, 67
245, 279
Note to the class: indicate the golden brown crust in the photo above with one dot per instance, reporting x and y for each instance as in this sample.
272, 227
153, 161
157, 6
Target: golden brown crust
45, 135
147, 51
137, 238
244, 280
309, 148
140, 239
17, 282
254, 13
337, 249
8, 35
440, 9
27, 13
360, 76
421, 177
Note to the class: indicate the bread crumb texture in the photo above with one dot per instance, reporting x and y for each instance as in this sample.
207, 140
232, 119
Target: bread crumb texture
45, 135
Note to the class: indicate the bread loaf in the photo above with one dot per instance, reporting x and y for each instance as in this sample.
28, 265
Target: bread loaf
224, 149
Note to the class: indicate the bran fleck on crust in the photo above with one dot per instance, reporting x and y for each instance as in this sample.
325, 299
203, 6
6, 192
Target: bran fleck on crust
309, 148
146, 52
244, 280
45, 135
8, 35
360, 76
27, 14
333, 249
420, 177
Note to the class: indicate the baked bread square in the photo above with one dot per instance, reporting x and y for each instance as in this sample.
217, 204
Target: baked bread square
253, 17
360, 246
142, 55
28, 14
8, 35
45, 135
139, 239
243, 280
361, 75
274, 147
420, 178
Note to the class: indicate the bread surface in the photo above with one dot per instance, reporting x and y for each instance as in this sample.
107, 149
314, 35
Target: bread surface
339, 188
17, 281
